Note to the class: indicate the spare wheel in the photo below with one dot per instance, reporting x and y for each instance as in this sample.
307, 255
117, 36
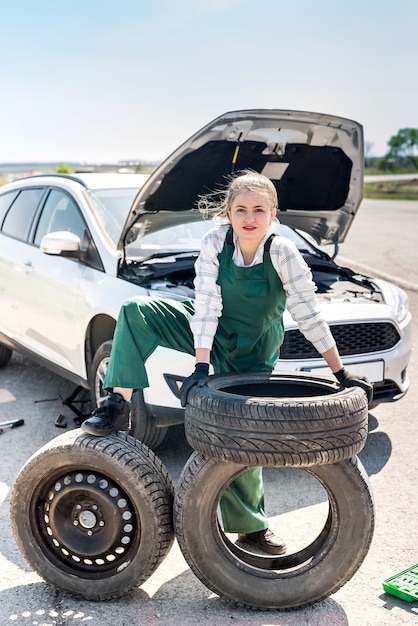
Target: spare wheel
93, 515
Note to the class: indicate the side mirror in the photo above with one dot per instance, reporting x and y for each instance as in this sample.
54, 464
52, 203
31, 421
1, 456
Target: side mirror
62, 243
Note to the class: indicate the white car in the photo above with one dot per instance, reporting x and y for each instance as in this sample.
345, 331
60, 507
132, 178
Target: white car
74, 247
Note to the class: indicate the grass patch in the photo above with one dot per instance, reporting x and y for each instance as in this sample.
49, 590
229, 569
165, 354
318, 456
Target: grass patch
392, 190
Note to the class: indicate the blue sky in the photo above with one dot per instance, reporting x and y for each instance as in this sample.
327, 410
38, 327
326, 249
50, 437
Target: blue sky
104, 80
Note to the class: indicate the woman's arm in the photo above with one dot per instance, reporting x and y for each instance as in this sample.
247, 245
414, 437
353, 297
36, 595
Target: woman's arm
301, 301
208, 298
333, 359
202, 355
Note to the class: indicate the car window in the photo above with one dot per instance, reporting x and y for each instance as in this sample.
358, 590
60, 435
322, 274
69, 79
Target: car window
300, 240
5, 201
178, 238
187, 237
60, 213
111, 207
19, 217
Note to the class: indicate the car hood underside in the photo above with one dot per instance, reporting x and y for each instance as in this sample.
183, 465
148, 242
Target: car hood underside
315, 162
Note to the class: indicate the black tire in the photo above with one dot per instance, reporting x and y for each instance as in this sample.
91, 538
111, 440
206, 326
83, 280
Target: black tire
266, 582
93, 515
143, 424
5, 355
277, 419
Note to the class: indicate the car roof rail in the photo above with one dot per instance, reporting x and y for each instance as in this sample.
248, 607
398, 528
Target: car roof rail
76, 179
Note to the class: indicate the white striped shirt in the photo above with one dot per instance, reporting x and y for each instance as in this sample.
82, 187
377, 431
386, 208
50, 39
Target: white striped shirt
295, 274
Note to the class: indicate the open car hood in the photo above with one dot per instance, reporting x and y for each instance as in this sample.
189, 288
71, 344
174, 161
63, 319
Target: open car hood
314, 160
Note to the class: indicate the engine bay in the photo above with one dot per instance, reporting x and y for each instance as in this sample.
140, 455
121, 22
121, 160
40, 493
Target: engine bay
173, 275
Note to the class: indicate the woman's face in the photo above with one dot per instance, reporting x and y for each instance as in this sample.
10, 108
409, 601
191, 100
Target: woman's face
250, 215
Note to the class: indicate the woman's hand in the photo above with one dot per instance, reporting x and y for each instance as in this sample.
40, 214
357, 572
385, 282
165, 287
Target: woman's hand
351, 380
199, 377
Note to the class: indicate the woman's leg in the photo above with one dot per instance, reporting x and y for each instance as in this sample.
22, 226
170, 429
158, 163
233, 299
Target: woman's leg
242, 503
143, 324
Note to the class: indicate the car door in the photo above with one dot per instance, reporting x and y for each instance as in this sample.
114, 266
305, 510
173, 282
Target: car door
17, 212
50, 286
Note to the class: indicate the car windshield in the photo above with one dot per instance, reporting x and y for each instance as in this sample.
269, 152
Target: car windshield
187, 238
111, 207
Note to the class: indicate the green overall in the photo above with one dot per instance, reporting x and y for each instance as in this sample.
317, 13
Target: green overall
249, 335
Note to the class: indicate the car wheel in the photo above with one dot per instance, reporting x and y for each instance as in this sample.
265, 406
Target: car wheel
93, 516
143, 425
323, 563
5, 355
257, 418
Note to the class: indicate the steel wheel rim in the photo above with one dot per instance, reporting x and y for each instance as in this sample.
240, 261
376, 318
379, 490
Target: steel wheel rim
85, 524
99, 393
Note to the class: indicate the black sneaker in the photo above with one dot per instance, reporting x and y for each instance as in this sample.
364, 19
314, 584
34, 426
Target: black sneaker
264, 540
112, 415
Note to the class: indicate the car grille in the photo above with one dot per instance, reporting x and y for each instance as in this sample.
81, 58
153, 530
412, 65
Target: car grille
385, 391
350, 339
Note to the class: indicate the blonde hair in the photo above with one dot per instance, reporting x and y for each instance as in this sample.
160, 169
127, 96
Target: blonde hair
218, 204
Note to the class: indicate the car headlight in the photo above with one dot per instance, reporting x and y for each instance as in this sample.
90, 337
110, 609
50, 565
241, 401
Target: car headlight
402, 305
396, 298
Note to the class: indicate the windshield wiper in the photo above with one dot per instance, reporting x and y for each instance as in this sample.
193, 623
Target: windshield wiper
162, 255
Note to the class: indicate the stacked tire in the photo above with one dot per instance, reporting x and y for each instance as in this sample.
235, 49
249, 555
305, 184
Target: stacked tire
282, 420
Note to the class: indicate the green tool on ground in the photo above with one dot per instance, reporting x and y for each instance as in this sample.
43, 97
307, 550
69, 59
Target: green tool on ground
403, 585
10, 424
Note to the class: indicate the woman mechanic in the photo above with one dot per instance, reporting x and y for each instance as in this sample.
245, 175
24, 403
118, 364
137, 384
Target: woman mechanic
246, 276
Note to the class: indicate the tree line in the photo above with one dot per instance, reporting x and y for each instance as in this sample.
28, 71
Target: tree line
402, 151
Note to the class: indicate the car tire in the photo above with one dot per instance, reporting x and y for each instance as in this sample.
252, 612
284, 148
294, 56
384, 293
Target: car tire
93, 515
273, 582
5, 355
278, 419
143, 424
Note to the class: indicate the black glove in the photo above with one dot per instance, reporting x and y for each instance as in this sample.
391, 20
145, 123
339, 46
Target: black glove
351, 380
199, 377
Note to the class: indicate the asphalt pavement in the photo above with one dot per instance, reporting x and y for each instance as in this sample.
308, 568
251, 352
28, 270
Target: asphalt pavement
173, 596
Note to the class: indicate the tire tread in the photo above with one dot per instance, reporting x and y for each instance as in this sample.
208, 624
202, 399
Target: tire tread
276, 431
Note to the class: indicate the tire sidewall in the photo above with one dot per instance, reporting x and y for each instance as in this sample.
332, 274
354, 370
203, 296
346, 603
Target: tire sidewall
72, 451
195, 519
